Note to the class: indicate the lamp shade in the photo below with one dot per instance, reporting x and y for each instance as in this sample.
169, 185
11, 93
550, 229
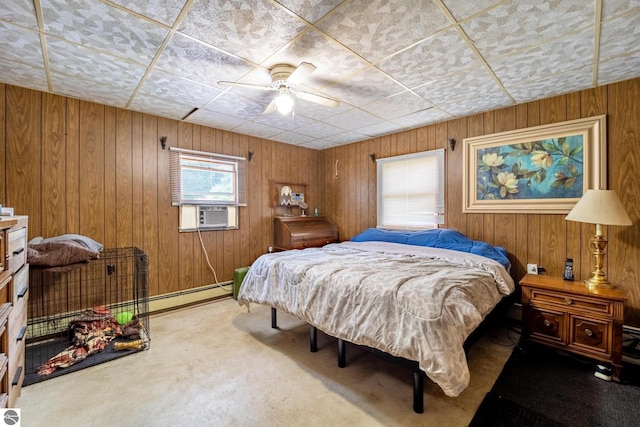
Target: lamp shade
599, 207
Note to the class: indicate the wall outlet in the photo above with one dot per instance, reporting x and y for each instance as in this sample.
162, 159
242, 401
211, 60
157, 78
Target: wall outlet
532, 268
270, 249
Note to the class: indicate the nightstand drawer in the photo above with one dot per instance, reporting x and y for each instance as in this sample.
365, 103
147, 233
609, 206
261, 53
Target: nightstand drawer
547, 325
541, 297
591, 335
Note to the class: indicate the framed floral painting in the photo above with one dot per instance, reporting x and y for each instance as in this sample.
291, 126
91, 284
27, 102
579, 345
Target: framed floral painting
543, 169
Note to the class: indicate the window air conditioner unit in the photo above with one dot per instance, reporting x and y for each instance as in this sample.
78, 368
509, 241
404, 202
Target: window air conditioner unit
208, 217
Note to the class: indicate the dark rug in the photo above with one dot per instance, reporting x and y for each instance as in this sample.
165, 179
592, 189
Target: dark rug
544, 387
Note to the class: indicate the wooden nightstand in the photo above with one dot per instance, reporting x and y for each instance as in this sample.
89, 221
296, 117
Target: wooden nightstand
570, 316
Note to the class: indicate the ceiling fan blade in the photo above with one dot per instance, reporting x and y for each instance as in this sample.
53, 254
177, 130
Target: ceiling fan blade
301, 73
322, 100
246, 85
270, 108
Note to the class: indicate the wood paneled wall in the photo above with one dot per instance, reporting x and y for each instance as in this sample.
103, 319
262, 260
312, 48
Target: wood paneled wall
85, 168
347, 175
80, 167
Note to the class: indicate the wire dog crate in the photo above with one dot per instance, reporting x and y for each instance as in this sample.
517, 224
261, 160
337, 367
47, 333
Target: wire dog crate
87, 315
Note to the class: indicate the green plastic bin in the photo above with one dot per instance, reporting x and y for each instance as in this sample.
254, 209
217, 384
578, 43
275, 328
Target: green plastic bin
238, 277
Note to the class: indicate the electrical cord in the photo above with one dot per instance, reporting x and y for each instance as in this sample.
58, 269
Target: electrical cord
206, 256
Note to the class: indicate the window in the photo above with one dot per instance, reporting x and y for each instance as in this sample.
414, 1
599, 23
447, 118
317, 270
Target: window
411, 190
199, 178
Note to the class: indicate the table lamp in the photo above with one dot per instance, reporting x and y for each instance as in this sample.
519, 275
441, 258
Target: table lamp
599, 207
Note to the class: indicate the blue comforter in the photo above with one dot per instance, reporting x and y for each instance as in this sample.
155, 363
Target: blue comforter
444, 238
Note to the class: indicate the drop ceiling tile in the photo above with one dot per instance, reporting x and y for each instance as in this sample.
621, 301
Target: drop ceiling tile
76, 61
237, 106
333, 62
214, 119
251, 29
365, 87
571, 81
317, 111
517, 25
379, 129
431, 59
310, 10
172, 88
376, 29
341, 138
256, 129
20, 45
293, 138
165, 11
398, 105
472, 104
560, 55
199, 62
319, 130
102, 27
619, 36
88, 89
353, 119
23, 75
277, 120
19, 13
320, 144
618, 69
464, 9
160, 106
423, 118
458, 86
612, 8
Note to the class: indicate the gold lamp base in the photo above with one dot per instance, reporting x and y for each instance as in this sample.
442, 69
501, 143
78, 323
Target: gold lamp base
598, 243
596, 281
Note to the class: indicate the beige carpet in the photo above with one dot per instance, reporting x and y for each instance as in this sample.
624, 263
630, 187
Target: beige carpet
215, 364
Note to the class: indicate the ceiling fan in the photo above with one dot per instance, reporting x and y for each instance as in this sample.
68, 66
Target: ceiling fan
284, 78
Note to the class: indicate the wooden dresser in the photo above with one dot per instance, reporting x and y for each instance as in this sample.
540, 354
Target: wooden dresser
571, 316
299, 232
14, 288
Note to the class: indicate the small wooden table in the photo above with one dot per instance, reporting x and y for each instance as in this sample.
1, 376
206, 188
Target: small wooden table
573, 317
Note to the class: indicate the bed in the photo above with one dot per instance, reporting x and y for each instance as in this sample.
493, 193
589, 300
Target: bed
416, 296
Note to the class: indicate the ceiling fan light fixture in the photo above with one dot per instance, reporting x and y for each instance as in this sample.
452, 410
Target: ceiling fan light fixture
284, 101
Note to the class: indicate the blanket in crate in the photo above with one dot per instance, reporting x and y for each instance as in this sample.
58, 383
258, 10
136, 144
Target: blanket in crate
92, 331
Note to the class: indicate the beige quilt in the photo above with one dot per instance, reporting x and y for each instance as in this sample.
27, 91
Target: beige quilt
414, 302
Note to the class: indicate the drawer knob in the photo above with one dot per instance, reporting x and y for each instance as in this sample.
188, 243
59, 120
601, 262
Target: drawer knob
569, 301
588, 332
546, 323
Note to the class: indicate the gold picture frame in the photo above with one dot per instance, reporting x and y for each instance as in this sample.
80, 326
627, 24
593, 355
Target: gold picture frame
542, 169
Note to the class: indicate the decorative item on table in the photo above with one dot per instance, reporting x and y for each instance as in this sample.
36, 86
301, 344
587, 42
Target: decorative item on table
285, 199
599, 207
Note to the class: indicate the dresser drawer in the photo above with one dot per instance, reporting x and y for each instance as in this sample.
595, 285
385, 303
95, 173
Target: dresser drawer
16, 376
16, 248
20, 285
545, 298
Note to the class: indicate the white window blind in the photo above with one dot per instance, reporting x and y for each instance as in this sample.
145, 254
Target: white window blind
411, 190
206, 178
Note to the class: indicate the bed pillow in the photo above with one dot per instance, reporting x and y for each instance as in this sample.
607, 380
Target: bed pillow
381, 235
85, 241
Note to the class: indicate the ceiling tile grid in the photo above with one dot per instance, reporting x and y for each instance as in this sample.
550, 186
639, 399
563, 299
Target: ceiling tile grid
392, 64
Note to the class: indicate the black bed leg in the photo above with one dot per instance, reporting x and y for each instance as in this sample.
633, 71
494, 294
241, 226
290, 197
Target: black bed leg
313, 339
418, 392
342, 356
274, 318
